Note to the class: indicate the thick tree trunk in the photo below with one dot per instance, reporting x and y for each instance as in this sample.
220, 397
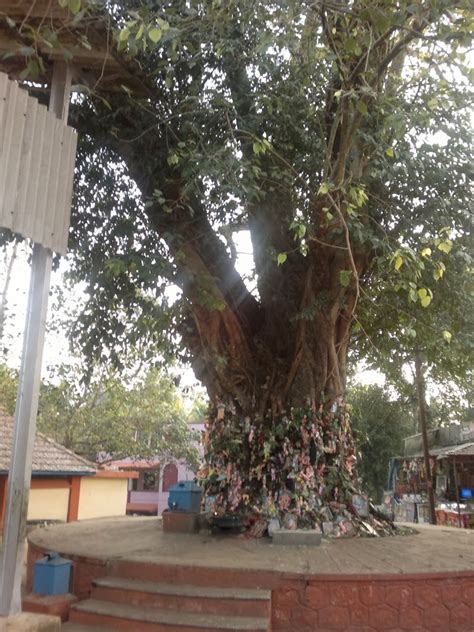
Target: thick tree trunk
292, 350
292, 361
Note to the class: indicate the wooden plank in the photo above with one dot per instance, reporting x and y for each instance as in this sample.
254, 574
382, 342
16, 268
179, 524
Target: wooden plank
37, 155
4, 90
35, 171
5, 141
49, 216
45, 153
20, 210
15, 123
69, 190
74, 495
68, 151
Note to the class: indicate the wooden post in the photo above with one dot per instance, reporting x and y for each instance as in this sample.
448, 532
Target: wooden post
19, 478
74, 495
420, 389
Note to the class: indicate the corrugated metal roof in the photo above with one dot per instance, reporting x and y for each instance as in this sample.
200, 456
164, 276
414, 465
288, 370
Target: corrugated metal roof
465, 449
36, 168
49, 457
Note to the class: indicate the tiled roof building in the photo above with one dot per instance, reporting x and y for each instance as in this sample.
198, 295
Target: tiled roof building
49, 457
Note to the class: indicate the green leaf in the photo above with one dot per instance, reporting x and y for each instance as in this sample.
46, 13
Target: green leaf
398, 262
124, 35
173, 159
390, 153
301, 230
164, 25
74, 6
447, 335
323, 189
345, 277
140, 31
422, 292
155, 34
412, 295
260, 146
63, 3
362, 107
281, 258
445, 246
425, 298
426, 252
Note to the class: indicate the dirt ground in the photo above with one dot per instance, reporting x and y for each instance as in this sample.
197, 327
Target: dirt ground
433, 549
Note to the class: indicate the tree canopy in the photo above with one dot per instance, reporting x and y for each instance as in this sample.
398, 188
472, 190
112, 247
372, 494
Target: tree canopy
336, 133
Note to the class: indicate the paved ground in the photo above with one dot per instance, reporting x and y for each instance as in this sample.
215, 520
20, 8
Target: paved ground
433, 549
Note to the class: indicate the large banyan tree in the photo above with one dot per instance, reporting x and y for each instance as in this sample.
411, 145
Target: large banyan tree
336, 133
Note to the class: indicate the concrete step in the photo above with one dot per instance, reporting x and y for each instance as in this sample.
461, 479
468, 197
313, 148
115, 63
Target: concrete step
194, 574
184, 598
82, 627
120, 616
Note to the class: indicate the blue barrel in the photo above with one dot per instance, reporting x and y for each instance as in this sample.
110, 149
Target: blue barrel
185, 496
51, 575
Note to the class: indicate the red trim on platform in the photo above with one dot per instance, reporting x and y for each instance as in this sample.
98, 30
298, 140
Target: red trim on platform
425, 602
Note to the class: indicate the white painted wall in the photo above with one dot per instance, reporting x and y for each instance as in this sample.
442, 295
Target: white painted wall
102, 497
48, 504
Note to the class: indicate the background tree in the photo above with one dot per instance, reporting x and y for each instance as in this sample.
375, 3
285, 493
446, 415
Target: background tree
8, 388
8, 254
103, 418
380, 422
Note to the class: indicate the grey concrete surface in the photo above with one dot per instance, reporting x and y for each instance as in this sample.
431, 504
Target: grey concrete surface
432, 550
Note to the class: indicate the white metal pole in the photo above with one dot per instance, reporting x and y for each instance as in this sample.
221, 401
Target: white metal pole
28, 393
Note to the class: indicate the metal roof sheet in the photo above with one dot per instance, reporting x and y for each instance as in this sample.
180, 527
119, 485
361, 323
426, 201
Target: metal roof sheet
465, 449
441, 452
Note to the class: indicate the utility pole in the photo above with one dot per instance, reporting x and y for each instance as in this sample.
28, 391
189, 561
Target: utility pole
420, 389
19, 476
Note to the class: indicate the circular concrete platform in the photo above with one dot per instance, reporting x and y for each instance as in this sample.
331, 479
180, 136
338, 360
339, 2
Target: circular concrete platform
431, 550
422, 583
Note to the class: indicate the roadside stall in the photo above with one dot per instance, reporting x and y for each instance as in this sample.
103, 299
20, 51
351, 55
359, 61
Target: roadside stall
451, 452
